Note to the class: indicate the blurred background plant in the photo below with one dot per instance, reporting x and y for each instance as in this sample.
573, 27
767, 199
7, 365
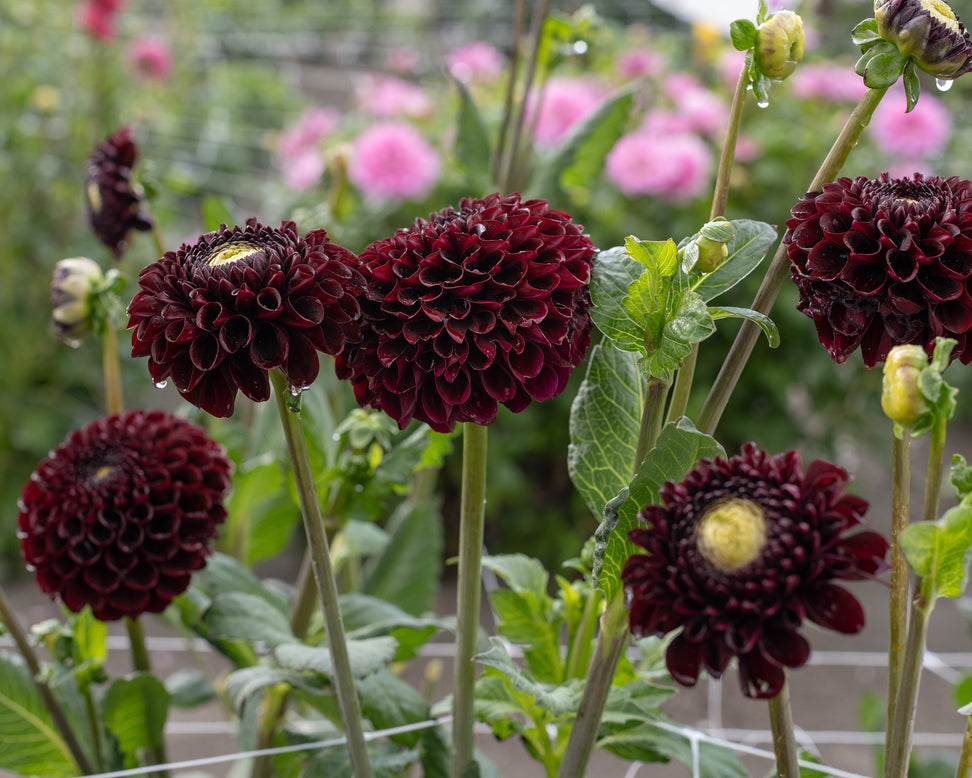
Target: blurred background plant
348, 116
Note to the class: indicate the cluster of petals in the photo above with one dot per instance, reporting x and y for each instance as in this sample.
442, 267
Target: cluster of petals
702, 110
638, 62
828, 81
477, 62
563, 103
671, 165
97, 18
921, 133
392, 161
150, 57
480, 305
299, 151
217, 315
122, 512
387, 97
884, 262
812, 537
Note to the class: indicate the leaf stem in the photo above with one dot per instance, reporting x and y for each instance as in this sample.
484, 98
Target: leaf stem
683, 385
112, 369
472, 512
499, 154
324, 575
965, 758
143, 664
933, 473
16, 630
779, 269
900, 502
784, 743
720, 195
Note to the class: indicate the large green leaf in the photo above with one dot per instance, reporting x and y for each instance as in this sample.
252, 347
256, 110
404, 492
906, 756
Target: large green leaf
761, 320
651, 743
940, 551
473, 150
614, 273
239, 616
225, 575
366, 656
605, 417
746, 250
388, 702
262, 510
241, 685
558, 700
134, 711
679, 447
673, 332
31, 743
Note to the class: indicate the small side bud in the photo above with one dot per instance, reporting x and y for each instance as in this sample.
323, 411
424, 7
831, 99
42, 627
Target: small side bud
711, 254
901, 396
76, 281
779, 44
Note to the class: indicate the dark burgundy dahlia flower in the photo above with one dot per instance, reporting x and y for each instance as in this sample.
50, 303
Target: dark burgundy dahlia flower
739, 554
121, 513
114, 204
929, 32
218, 314
885, 262
480, 305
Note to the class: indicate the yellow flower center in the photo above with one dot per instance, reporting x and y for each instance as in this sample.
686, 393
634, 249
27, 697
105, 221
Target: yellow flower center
731, 534
232, 252
94, 196
103, 472
942, 12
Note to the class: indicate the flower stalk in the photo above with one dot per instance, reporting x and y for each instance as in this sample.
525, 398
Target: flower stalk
900, 501
141, 663
784, 742
965, 758
324, 574
471, 528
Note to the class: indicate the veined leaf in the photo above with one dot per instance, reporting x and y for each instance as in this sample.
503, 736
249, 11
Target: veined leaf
239, 616
614, 273
135, 710
940, 551
746, 250
367, 656
557, 700
764, 322
685, 322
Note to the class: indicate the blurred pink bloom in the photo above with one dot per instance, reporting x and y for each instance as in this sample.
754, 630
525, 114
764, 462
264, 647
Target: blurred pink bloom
565, 103
664, 122
392, 161
703, 110
477, 62
674, 166
827, 81
746, 149
404, 60
310, 129
303, 169
97, 20
729, 66
387, 96
635, 63
150, 57
920, 134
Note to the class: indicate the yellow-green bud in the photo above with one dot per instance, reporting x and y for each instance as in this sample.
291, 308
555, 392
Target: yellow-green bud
901, 398
75, 281
779, 44
712, 253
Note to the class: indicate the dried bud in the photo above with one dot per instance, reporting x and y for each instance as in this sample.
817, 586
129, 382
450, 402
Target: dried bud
929, 32
901, 397
76, 281
779, 44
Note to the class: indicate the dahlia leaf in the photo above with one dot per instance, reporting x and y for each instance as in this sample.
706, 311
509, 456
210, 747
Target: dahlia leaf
865, 32
261, 510
242, 685
912, 86
214, 213
940, 551
239, 616
473, 150
685, 322
224, 575
678, 449
366, 616
557, 700
764, 322
31, 743
367, 656
743, 34
747, 248
189, 688
605, 417
960, 476
523, 574
134, 711
651, 742
613, 312
388, 701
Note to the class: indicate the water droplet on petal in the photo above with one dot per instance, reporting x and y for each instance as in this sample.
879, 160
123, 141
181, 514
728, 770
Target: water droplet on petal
161, 384
944, 84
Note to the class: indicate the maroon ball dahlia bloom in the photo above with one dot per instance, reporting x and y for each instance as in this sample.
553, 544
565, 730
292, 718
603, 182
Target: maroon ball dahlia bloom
476, 306
885, 262
114, 204
121, 513
739, 554
218, 314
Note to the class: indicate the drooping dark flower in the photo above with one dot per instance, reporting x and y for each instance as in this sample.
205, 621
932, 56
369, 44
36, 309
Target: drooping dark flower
476, 306
114, 203
218, 314
739, 554
122, 512
883, 262
75, 281
929, 32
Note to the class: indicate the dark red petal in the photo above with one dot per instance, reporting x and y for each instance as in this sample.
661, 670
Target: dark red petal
834, 607
759, 677
684, 660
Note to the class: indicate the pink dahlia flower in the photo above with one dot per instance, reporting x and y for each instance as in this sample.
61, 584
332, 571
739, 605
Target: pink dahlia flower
475, 62
674, 166
922, 133
150, 57
392, 161
565, 102
387, 97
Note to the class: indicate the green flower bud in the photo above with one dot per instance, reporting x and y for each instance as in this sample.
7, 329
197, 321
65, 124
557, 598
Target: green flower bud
929, 32
76, 281
901, 398
711, 254
779, 44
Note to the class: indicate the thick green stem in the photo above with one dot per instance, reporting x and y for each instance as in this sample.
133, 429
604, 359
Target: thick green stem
16, 630
784, 742
472, 515
900, 502
902, 723
310, 508
142, 663
157, 241
779, 269
683, 385
720, 195
933, 474
651, 418
611, 640
965, 758
499, 155
112, 369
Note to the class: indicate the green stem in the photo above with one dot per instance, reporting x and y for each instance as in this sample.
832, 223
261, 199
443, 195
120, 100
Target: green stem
112, 369
965, 758
779, 270
902, 723
472, 513
651, 418
142, 664
310, 508
900, 501
933, 474
157, 240
16, 630
784, 743
720, 195
578, 655
499, 155
95, 721
611, 640
683, 385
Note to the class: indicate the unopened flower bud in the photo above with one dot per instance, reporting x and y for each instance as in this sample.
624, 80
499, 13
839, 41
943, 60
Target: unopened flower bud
75, 281
779, 44
711, 254
929, 32
901, 397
